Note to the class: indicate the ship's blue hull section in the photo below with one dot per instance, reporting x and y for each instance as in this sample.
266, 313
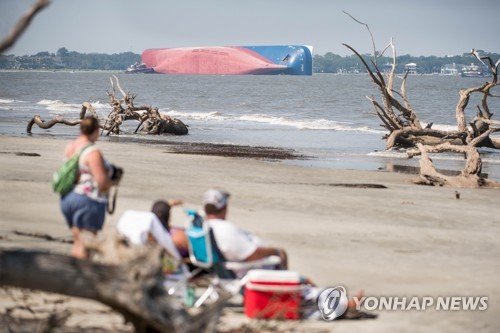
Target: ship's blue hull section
297, 58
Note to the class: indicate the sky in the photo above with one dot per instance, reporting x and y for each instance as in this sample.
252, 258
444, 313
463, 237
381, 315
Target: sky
418, 28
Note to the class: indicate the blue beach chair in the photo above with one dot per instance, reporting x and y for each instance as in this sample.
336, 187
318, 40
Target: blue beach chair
204, 253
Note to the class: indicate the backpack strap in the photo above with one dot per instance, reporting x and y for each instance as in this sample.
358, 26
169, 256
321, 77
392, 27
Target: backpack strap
83, 152
85, 147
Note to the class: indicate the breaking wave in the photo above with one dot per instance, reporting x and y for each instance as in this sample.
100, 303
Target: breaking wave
58, 107
313, 124
217, 116
441, 127
101, 106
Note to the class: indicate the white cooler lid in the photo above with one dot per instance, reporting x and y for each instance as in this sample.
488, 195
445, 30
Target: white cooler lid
267, 275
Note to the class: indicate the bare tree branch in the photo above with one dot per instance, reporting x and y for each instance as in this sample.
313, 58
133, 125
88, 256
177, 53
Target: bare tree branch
371, 35
22, 24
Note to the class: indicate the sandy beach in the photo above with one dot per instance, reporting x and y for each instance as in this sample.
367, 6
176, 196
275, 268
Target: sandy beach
403, 240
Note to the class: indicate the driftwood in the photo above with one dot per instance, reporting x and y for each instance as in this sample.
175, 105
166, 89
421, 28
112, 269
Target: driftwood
405, 129
22, 25
469, 177
48, 124
134, 289
151, 121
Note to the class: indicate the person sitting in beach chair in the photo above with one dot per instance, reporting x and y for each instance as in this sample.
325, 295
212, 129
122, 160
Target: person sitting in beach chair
232, 245
235, 244
220, 246
161, 209
205, 254
141, 227
204, 251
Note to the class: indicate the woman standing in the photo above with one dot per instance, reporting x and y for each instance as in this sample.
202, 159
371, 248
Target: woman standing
84, 208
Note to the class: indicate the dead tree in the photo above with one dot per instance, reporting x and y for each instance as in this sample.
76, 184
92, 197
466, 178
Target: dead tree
134, 288
151, 121
406, 131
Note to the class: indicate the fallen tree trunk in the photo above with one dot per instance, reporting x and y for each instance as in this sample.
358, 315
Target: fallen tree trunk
151, 121
48, 124
134, 289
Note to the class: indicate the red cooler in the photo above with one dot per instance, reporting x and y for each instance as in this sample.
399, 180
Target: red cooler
273, 294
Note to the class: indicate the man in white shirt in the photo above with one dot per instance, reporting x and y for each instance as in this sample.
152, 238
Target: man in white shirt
235, 243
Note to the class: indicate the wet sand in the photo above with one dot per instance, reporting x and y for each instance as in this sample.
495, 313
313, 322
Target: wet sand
387, 237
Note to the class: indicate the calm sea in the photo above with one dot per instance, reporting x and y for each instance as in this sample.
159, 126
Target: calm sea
326, 117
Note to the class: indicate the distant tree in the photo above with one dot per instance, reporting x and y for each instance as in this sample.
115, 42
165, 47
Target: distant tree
62, 52
43, 54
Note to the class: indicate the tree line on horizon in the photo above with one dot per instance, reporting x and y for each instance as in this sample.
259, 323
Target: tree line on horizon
64, 59
333, 63
69, 60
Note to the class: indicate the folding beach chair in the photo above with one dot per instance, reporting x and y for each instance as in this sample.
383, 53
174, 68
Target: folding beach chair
204, 253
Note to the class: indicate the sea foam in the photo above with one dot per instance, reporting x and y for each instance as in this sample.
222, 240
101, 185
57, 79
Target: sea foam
313, 124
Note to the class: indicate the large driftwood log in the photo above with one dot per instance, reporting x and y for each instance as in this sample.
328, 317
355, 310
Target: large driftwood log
134, 289
151, 121
405, 129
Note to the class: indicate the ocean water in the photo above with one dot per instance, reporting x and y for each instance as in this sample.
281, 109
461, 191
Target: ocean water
326, 117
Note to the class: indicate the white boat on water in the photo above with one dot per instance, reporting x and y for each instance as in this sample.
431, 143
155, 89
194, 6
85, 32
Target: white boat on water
138, 68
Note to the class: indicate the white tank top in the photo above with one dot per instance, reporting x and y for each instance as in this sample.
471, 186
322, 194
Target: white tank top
86, 183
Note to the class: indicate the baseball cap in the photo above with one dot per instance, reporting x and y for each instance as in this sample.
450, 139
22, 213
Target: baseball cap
215, 197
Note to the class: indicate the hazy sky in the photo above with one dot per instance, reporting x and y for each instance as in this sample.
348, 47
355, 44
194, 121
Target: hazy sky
419, 27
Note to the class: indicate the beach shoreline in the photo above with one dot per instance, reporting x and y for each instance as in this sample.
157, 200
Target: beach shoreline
401, 240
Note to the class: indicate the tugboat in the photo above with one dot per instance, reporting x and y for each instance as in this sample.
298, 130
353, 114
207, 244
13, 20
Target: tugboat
137, 68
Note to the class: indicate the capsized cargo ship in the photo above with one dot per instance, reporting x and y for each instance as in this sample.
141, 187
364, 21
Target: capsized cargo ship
227, 60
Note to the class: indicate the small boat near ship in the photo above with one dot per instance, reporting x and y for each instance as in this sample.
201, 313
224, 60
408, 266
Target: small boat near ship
137, 68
